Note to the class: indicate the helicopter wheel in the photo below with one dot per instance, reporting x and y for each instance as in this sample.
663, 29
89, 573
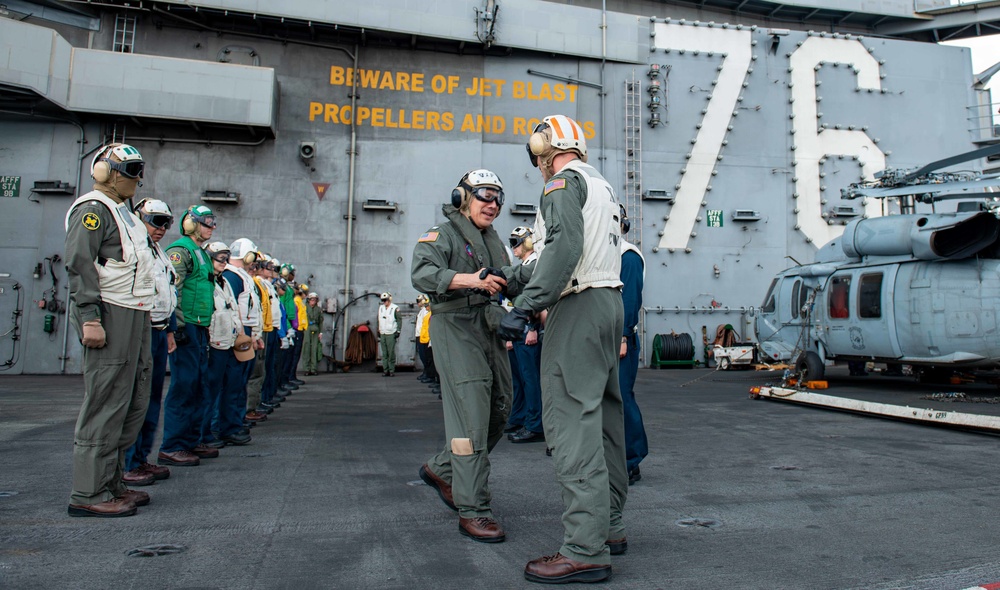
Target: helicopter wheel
810, 366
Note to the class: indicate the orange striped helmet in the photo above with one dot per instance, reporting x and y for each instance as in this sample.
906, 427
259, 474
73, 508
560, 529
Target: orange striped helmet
560, 132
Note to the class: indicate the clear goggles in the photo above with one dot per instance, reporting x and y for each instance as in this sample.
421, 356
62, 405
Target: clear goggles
158, 221
221, 257
132, 169
208, 220
488, 194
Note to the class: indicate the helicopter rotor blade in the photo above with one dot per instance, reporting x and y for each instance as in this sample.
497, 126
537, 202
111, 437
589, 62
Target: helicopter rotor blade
951, 161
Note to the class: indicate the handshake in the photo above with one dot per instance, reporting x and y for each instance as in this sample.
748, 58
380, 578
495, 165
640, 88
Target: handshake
499, 279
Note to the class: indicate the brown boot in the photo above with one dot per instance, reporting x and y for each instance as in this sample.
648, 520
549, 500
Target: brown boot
179, 458
442, 487
255, 416
109, 509
138, 477
136, 497
482, 529
559, 569
157, 471
205, 452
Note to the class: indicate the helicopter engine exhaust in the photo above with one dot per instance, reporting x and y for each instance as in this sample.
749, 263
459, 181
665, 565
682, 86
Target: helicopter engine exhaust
925, 237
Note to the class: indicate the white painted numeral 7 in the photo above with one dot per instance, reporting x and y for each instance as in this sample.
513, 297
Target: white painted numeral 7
734, 49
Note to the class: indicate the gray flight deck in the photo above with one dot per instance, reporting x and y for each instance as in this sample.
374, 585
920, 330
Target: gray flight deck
327, 496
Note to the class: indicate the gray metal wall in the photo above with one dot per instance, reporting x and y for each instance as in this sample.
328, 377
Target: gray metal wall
920, 117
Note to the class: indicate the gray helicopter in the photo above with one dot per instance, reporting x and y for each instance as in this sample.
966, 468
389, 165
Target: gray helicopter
921, 289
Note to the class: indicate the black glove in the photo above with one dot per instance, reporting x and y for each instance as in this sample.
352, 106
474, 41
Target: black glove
396, 335
490, 270
180, 337
513, 324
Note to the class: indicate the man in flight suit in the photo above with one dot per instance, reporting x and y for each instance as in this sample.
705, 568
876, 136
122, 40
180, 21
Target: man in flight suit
111, 276
454, 263
313, 346
633, 275
389, 322
189, 363
528, 352
577, 280
157, 218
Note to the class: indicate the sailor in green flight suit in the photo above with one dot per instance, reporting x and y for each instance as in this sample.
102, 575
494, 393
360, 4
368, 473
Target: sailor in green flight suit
312, 347
455, 263
577, 279
112, 285
182, 407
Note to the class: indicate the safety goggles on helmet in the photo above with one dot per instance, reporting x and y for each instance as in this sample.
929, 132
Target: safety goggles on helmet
131, 169
129, 161
218, 251
518, 236
159, 221
203, 215
488, 194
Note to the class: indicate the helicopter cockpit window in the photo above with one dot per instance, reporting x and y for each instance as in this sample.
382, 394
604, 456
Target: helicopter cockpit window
870, 296
768, 306
795, 299
840, 287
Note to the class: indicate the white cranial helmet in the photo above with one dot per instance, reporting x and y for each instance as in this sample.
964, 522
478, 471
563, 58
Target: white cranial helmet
245, 250
119, 156
154, 207
483, 177
214, 249
556, 132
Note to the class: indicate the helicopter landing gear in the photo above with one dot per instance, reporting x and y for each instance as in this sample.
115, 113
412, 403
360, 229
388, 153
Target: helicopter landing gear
810, 367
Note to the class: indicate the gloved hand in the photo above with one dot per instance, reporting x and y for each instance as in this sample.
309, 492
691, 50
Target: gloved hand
180, 337
396, 335
513, 324
490, 270
284, 343
93, 334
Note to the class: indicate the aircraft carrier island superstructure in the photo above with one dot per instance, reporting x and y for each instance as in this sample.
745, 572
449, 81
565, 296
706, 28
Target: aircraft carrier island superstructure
332, 132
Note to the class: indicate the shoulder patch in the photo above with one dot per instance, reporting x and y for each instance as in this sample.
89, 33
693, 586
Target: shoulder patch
554, 185
175, 258
430, 236
91, 221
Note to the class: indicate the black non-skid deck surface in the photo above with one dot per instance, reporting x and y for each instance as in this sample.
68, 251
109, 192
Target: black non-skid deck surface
736, 493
